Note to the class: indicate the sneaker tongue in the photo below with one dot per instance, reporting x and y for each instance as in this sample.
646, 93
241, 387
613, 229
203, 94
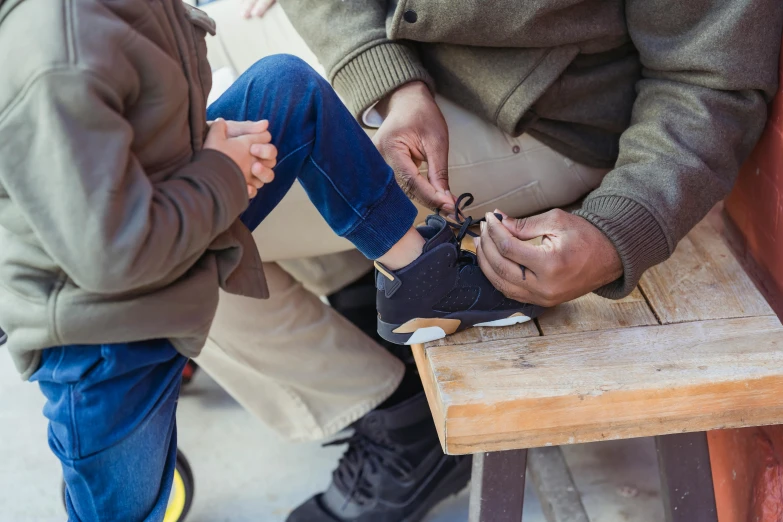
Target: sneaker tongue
436, 231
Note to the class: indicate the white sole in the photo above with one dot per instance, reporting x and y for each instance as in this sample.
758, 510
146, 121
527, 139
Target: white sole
425, 335
433, 333
508, 321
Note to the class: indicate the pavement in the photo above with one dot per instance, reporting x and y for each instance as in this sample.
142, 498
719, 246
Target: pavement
244, 472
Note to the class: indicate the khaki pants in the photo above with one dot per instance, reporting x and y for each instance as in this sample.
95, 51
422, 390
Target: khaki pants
291, 360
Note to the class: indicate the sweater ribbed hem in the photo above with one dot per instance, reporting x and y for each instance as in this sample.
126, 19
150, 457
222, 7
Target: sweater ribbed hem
636, 235
375, 73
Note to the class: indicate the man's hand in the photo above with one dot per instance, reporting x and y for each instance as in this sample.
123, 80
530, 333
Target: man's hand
248, 145
414, 131
573, 259
256, 8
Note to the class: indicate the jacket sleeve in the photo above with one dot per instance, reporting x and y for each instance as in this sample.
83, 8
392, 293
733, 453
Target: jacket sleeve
349, 39
66, 163
709, 69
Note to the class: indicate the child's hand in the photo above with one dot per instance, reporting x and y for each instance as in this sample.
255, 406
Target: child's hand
248, 145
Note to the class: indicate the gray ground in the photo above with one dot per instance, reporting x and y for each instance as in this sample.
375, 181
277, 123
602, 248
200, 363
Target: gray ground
245, 473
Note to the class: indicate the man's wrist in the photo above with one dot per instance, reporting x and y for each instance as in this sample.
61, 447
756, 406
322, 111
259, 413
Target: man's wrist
413, 88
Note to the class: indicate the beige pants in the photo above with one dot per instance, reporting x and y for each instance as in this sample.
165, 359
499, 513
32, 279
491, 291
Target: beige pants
291, 360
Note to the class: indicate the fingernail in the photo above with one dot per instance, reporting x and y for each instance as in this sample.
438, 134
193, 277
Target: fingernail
483, 226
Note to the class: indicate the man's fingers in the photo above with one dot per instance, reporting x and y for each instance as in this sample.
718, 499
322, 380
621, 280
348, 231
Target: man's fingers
412, 183
251, 191
511, 247
534, 226
241, 128
437, 155
488, 262
507, 269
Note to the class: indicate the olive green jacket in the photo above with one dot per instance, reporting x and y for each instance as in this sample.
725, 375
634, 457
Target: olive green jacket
115, 225
670, 94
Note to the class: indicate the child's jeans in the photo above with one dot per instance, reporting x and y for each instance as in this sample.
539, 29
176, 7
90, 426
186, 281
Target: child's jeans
111, 408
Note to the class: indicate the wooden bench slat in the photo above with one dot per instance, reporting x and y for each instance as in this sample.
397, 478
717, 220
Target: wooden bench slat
600, 385
591, 312
487, 333
701, 281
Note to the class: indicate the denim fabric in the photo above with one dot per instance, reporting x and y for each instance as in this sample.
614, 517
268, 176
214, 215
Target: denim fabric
111, 412
319, 143
111, 408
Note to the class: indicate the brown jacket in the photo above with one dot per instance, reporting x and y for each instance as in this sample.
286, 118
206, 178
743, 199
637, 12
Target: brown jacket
115, 225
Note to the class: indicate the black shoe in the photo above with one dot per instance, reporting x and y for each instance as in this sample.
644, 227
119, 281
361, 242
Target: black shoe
3, 337
393, 470
444, 291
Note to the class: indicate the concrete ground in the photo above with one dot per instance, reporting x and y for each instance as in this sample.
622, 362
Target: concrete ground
244, 473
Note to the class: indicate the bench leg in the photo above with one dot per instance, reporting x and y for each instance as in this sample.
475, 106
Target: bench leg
497, 486
686, 477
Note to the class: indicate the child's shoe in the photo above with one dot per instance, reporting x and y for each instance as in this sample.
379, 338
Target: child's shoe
444, 291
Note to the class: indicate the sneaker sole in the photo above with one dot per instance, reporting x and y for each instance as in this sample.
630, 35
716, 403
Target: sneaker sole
424, 330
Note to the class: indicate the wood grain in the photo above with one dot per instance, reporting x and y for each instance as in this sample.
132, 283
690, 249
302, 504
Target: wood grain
591, 312
701, 281
484, 334
633, 382
430, 389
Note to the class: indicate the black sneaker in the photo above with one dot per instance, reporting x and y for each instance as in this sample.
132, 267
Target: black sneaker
444, 291
393, 470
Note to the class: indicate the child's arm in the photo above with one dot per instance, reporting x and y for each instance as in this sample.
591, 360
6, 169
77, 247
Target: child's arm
65, 162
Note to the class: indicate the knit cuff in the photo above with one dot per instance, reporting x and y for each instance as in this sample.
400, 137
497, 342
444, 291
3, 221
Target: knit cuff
636, 235
376, 72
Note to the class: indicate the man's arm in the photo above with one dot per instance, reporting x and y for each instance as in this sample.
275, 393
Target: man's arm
349, 39
365, 67
65, 162
709, 69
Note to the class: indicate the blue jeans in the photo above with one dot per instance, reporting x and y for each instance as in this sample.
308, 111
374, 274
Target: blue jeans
111, 408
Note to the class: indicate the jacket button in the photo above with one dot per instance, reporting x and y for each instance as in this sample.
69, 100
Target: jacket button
410, 16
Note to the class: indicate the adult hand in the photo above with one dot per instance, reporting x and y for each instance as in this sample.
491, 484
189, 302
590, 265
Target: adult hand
256, 8
414, 131
248, 145
573, 259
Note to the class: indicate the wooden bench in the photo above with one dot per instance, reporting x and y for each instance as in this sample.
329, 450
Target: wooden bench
695, 348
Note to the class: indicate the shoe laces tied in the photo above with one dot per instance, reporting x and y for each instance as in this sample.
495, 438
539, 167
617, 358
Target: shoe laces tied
463, 223
367, 453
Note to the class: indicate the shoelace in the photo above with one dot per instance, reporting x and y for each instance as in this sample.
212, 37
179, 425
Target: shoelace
463, 224
364, 453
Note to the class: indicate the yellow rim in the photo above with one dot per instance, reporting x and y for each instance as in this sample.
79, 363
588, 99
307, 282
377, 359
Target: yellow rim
176, 500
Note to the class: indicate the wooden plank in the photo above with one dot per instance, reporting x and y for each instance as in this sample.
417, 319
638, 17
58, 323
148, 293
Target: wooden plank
560, 500
430, 389
484, 334
591, 312
612, 384
702, 280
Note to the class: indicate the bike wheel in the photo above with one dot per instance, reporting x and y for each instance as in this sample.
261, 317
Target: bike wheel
182, 489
